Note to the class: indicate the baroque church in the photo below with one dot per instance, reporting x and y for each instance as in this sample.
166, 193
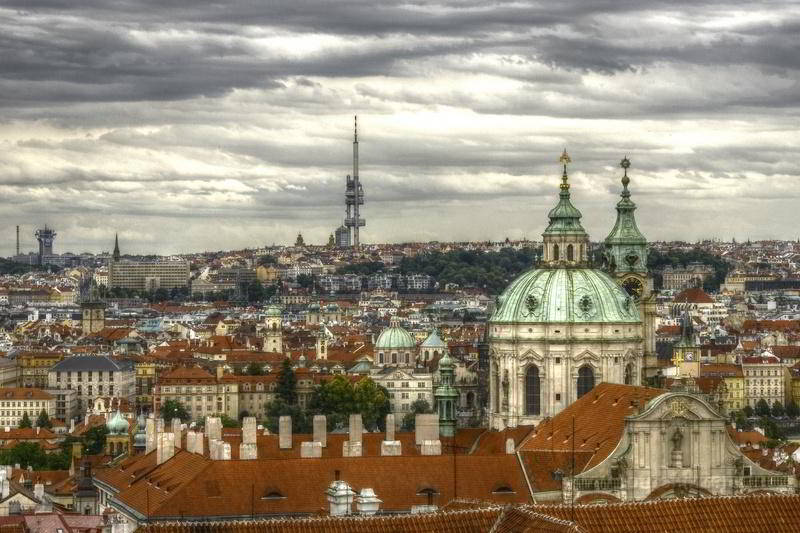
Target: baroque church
564, 325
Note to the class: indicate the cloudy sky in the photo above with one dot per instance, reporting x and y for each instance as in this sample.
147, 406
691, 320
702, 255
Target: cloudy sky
189, 128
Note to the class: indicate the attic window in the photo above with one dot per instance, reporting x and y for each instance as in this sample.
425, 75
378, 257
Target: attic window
504, 489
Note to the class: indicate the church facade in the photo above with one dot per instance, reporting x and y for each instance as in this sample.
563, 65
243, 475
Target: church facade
564, 326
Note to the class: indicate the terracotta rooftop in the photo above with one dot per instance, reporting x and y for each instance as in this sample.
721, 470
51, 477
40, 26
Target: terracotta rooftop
693, 296
743, 514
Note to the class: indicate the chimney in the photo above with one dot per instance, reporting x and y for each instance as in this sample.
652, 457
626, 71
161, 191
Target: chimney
177, 430
150, 435
72, 425
220, 372
321, 430
426, 427
355, 427
249, 430
340, 498
38, 491
165, 447
510, 446
285, 432
367, 503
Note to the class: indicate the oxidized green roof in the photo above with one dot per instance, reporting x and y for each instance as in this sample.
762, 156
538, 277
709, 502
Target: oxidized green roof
117, 425
395, 337
434, 341
273, 310
564, 295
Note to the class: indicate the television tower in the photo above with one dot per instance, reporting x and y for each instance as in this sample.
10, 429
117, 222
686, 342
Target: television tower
354, 194
45, 237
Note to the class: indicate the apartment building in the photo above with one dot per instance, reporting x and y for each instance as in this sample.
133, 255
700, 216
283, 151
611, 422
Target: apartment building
91, 377
15, 402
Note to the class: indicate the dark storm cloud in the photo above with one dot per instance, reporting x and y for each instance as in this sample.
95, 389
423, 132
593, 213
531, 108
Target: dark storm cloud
141, 113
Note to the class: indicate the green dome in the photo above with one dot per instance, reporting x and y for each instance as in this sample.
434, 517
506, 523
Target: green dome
273, 310
117, 425
564, 295
395, 337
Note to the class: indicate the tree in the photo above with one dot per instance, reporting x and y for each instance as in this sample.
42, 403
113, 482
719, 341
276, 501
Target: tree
418, 407
278, 408
95, 439
174, 409
762, 408
771, 429
25, 422
228, 422
777, 409
338, 398
254, 369
305, 280
372, 401
43, 421
742, 422
748, 411
287, 383
792, 410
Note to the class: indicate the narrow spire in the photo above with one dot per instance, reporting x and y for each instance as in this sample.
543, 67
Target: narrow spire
625, 164
565, 160
355, 128
116, 254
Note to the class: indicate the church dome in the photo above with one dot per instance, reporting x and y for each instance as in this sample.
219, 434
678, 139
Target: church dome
552, 295
273, 310
395, 337
117, 425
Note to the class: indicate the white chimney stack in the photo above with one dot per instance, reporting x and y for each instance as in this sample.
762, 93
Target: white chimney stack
367, 503
340, 498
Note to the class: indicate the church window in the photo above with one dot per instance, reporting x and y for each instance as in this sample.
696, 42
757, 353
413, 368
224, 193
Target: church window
555, 252
394, 357
569, 253
532, 391
585, 380
558, 396
380, 356
616, 360
558, 360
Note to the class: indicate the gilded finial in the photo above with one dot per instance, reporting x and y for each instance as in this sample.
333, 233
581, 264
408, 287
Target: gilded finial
564, 160
625, 164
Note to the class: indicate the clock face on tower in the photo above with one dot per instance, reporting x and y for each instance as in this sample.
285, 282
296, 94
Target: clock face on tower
633, 286
689, 356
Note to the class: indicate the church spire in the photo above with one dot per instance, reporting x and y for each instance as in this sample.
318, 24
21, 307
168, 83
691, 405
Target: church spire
116, 254
626, 247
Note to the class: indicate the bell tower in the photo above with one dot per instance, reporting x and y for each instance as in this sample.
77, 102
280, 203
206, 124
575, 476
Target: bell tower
625, 258
566, 243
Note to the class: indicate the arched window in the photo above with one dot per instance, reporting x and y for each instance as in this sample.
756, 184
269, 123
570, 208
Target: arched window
570, 253
394, 357
470, 399
629, 374
585, 380
555, 252
533, 404
380, 356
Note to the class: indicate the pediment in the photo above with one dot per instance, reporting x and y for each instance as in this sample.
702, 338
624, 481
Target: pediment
672, 406
531, 355
587, 355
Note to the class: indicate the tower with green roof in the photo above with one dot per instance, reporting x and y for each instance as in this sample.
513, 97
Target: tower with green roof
446, 397
560, 327
625, 258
